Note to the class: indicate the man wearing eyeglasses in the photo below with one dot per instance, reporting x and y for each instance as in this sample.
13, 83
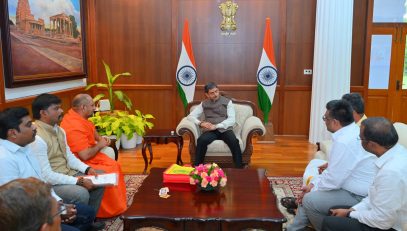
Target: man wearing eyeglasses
385, 207
18, 161
27, 204
348, 175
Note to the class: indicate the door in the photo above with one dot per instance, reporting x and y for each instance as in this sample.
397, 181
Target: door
387, 75
387, 85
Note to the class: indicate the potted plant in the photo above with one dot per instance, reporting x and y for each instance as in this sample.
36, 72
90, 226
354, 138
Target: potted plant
118, 122
109, 86
134, 127
107, 125
126, 127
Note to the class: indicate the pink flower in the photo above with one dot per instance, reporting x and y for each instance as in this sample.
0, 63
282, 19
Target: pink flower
204, 174
214, 183
223, 181
208, 174
200, 168
204, 183
221, 173
215, 173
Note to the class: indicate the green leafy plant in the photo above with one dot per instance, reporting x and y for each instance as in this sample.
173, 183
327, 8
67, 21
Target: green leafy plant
144, 120
112, 94
121, 122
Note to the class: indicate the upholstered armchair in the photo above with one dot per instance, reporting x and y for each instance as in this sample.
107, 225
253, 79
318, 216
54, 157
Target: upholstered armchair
247, 125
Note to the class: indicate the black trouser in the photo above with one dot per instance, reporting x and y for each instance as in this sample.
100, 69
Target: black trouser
345, 223
228, 137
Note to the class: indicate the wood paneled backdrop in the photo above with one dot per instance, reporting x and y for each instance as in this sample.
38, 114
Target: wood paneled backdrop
143, 37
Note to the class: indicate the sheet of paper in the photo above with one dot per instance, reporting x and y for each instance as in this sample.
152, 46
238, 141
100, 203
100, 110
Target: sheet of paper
104, 179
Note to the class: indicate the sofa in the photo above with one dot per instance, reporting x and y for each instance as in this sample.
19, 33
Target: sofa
247, 125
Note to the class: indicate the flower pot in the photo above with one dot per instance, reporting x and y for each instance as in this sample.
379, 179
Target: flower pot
139, 139
128, 144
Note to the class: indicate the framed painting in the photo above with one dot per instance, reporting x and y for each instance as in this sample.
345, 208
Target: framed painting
42, 41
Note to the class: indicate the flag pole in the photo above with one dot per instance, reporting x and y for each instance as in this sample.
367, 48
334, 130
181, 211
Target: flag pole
267, 77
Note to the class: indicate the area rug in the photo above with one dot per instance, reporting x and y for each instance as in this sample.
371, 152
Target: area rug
282, 187
286, 187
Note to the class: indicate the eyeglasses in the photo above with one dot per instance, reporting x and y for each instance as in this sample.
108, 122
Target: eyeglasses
362, 139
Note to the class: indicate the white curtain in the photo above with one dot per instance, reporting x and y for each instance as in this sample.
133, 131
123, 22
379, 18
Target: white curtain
332, 60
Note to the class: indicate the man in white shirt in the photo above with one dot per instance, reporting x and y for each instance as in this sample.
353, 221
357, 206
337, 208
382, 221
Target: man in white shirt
17, 161
385, 207
219, 118
58, 165
348, 175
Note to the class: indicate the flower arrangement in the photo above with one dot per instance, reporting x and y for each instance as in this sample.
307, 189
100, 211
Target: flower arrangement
208, 177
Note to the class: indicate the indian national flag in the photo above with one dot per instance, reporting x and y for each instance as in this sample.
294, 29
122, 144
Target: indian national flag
267, 74
186, 70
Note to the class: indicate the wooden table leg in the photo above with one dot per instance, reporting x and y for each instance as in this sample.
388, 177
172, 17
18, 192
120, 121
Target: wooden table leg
143, 152
151, 152
180, 143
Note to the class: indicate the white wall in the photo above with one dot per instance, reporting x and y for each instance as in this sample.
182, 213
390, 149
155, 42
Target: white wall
21, 92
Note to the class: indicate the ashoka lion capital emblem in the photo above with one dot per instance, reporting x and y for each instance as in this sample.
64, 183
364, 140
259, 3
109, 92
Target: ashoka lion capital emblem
228, 10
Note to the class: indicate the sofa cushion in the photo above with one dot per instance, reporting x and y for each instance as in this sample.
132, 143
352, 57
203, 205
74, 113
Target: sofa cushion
220, 148
401, 129
242, 113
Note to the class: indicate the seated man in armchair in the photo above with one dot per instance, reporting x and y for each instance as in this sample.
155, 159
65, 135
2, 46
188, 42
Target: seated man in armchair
219, 114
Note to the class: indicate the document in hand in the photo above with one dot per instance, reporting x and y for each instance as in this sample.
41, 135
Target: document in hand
109, 179
177, 174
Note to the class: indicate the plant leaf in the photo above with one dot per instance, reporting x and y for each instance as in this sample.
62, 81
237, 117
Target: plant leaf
98, 97
108, 73
122, 97
121, 74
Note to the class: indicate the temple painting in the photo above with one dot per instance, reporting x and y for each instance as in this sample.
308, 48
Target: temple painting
45, 37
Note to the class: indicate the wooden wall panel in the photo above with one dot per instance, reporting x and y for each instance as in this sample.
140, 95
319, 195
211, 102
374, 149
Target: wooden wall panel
297, 112
135, 37
299, 41
358, 41
157, 103
143, 37
230, 59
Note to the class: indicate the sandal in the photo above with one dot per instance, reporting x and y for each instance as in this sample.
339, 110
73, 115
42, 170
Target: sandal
289, 202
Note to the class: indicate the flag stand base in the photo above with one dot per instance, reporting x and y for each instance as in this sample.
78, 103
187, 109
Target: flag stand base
268, 138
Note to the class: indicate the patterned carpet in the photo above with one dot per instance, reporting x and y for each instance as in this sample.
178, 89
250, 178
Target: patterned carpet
282, 186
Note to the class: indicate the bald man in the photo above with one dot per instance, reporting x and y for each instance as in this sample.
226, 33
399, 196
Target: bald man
86, 144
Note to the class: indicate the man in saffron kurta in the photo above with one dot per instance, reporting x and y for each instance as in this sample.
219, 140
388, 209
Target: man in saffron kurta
86, 144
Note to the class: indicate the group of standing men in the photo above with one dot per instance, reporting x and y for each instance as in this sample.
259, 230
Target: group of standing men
61, 157
364, 182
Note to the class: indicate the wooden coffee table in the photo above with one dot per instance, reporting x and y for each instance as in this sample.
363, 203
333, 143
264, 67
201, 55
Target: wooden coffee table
246, 202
